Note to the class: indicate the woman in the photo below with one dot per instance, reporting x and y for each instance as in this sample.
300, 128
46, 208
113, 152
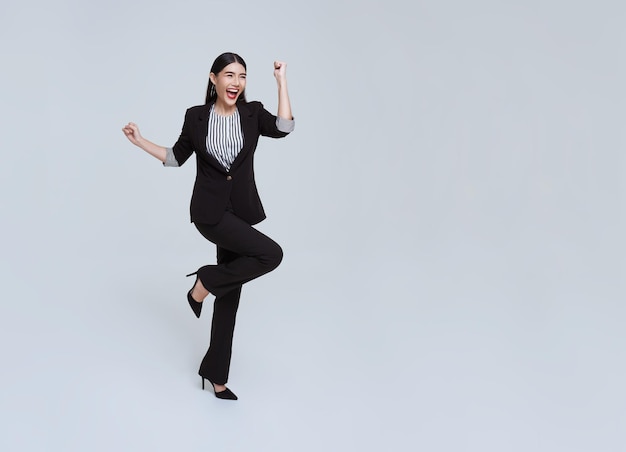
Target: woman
225, 204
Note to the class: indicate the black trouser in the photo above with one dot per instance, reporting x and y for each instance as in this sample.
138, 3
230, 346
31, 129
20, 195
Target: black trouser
243, 253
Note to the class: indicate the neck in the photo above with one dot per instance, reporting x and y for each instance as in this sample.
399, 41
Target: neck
221, 108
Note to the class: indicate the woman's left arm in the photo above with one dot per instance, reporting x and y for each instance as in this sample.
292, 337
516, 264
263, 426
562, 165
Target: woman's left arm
284, 106
283, 123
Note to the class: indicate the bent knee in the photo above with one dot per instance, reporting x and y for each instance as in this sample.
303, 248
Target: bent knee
274, 256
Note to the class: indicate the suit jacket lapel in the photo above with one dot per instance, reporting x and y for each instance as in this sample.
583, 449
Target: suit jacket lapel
201, 136
247, 123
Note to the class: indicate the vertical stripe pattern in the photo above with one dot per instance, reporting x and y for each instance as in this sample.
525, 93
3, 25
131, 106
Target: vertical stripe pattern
224, 138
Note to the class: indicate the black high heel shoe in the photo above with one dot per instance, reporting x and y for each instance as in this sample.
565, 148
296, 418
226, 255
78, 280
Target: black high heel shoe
226, 394
196, 306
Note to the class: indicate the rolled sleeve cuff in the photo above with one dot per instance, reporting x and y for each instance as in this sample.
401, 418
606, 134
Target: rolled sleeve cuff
285, 125
170, 160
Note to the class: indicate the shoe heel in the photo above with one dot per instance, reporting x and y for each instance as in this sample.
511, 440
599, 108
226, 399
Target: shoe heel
227, 394
195, 306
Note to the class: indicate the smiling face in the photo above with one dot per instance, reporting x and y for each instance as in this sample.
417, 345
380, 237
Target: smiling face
229, 84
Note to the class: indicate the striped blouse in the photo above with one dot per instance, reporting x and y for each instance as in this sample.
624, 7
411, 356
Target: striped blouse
224, 139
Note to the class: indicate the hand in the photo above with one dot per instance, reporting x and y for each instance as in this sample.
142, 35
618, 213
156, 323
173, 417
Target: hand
132, 133
280, 71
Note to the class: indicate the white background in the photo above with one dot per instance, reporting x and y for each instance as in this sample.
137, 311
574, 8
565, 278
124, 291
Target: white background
451, 206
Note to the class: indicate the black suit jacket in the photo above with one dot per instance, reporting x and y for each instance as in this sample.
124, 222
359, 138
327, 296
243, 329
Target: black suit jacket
214, 185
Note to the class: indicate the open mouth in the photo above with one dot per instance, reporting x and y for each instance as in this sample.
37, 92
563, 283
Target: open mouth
232, 93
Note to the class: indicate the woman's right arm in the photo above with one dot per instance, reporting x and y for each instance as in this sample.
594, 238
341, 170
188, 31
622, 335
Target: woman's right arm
134, 136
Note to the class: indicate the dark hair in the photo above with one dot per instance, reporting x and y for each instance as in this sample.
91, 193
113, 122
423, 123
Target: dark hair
220, 63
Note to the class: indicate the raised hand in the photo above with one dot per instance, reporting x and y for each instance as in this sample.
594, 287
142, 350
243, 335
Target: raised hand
280, 71
132, 133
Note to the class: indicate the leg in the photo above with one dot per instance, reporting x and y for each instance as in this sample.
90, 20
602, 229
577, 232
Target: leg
216, 362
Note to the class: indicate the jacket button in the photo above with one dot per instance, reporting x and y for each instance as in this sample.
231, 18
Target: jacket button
229, 177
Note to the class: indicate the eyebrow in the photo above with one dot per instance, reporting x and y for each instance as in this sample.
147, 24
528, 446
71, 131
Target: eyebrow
231, 72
